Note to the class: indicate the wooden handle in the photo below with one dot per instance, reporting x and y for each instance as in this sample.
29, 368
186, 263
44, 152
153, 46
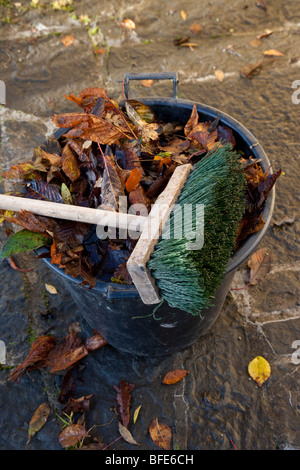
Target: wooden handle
76, 213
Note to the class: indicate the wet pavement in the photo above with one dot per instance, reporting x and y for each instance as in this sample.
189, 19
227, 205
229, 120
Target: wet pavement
217, 406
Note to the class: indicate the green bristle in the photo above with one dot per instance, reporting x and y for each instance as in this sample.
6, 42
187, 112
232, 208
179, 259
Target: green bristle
187, 278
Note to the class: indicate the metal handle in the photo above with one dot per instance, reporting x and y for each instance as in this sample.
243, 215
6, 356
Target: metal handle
151, 76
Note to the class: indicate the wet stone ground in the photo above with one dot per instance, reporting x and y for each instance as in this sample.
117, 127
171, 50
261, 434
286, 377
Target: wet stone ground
217, 406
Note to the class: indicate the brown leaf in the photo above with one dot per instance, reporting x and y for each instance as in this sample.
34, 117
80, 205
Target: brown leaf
53, 158
66, 353
202, 136
127, 436
72, 434
147, 83
148, 131
95, 342
38, 420
28, 221
68, 40
160, 434
259, 264
134, 180
273, 52
219, 74
196, 28
22, 170
128, 24
70, 164
111, 188
36, 358
123, 399
174, 376
192, 121
78, 405
132, 150
87, 98
252, 70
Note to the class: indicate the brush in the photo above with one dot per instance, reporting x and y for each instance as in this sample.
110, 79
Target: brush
166, 264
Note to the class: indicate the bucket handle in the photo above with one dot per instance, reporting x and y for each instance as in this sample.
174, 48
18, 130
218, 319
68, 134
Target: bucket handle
151, 76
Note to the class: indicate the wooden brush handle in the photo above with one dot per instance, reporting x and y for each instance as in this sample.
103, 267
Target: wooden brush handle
76, 213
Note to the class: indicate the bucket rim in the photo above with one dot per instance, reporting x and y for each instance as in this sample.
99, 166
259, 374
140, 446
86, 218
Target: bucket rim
112, 290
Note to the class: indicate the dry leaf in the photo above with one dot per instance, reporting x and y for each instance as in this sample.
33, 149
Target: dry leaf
68, 40
183, 15
66, 353
136, 413
160, 434
251, 70
71, 435
129, 24
147, 83
123, 399
273, 52
259, 370
219, 74
99, 51
134, 180
51, 289
255, 42
95, 342
259, 264
38, 420
265, 34
196, 28
127, 436
70, 164
174, 376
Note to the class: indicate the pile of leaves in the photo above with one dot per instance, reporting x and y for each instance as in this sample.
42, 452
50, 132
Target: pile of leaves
104, 152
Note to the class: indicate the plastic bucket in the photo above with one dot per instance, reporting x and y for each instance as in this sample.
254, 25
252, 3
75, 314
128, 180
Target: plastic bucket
116, 311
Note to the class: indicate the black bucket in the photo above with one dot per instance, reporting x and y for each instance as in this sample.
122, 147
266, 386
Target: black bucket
116, 311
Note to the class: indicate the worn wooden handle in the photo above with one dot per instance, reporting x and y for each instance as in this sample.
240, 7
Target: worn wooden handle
76, 213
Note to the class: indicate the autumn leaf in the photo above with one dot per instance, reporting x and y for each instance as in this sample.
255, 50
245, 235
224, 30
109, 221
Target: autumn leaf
36, 358
160, 434
68, 40
66, 194
78, 405
22, 242
196, 28
126, 434
259, 370
20, 171
70, 164
38, 420
123, 399
273, 52
147, 83
252, 70
72, 434
66, 352
174, 376
183, 15
95, 342
134, 180
51, 289
219, 74
128, 24
136, 413
259, 264
111, 187
192, 121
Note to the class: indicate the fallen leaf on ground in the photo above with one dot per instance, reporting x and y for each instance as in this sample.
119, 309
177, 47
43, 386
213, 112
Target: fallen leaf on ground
71, 435
123, 399
174, 376
38, 420
66, 353
51, 289
36, 358
219, 74
147, 83
251, 70
99, 51
127, 436
134, 180
265, 34
160, 434
78, 405
273, 52
128, 23
136, 413
255, 42
183, 15
95, 342
259, 264
68, 40
259, 370
196, 28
